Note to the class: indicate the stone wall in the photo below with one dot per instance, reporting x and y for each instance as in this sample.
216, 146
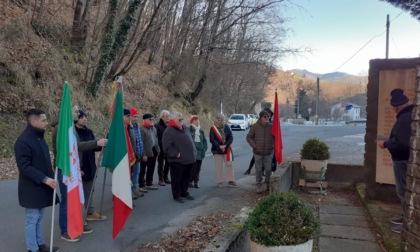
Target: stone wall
411, 233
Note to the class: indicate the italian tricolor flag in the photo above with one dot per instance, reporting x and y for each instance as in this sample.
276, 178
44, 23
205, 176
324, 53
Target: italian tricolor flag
68, 162
116, 159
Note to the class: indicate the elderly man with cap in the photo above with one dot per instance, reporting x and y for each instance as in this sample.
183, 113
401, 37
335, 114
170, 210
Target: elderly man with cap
262, 143
200, 142
150, 152
398, 145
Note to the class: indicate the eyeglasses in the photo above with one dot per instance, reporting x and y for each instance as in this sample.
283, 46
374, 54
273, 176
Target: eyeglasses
180, 120
266, 117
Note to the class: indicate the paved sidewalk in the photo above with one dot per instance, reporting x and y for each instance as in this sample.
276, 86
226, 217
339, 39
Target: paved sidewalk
346, 228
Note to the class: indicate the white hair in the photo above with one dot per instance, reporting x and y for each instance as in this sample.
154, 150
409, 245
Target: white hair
163, 113
174, 115
220, 116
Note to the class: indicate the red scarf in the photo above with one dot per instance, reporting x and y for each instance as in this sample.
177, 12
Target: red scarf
147, 125
173, 124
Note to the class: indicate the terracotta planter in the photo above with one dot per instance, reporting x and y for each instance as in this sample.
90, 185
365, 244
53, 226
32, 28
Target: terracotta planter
304, 247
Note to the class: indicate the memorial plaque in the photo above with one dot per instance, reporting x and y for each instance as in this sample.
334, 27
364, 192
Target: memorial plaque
388, 80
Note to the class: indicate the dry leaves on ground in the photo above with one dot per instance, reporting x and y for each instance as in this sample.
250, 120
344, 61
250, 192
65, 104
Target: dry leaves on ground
8, 169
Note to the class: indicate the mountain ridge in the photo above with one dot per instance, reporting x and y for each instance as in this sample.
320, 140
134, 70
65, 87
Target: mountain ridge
332, 76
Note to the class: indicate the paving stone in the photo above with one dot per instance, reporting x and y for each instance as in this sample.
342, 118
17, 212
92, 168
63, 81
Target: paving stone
344, 220
350, 210
327, 244
347, 232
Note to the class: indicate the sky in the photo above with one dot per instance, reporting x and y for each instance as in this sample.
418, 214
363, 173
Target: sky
337, 29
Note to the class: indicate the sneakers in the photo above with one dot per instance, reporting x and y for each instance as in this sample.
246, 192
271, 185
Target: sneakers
232, 184
87, 230
138, 194
196, 185
45, 248
66, 237
95, 217
143, 190
167, 181
162, 183
151, 187
396, 220
397, 229
180, 200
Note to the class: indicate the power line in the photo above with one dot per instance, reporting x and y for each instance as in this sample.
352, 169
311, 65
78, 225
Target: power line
370, 40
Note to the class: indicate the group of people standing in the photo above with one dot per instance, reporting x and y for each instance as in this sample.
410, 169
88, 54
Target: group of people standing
178, 149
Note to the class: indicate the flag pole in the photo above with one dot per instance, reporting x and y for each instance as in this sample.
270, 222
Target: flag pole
53, 211
118, 80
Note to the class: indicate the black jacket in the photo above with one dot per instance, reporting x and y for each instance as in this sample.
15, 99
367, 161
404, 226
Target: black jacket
34, 164
87, 162
398, 143
215, 142
176, 141
160, 128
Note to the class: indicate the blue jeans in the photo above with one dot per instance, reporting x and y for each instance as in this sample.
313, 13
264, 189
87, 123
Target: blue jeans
135, 176
400, 173
62, 217
33, 228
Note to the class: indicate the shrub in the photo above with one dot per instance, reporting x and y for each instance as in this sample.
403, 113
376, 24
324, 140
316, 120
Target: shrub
282, 219
315, 149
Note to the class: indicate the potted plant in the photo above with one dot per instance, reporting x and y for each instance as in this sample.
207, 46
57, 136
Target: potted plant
314, 160
282, 222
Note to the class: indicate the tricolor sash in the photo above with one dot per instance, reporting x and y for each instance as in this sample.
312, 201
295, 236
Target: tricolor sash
229, 153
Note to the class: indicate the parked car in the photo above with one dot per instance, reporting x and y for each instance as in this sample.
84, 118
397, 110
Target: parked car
250, 118
238, 121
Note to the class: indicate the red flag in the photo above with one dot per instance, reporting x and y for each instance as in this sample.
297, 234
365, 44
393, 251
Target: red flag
276, 132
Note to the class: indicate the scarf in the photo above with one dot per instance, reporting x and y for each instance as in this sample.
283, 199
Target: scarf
196, 133
172, 123
147, 125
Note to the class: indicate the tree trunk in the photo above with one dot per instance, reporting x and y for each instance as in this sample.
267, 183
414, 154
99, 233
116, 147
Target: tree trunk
79, 31
410, 240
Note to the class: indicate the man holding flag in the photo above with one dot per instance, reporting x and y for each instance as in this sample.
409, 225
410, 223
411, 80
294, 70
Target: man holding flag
67, 149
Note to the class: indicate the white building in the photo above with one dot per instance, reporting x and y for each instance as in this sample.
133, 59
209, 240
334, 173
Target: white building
345, 112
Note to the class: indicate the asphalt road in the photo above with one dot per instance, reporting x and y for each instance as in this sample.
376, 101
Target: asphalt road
157, 214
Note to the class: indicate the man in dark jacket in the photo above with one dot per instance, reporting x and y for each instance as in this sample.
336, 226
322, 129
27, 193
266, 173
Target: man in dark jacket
36, 177
163, 164
180, 150
398, 145
81, 146
88, 166
221, 139
262, 143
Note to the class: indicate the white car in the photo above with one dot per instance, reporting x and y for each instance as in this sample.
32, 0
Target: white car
238, 121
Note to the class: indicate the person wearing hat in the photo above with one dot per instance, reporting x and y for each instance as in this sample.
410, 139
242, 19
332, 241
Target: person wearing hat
150, 153
262, 143
88, 166
398, 145
200, 142
138, 150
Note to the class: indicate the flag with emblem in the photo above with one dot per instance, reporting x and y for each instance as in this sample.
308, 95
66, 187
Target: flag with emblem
68, 162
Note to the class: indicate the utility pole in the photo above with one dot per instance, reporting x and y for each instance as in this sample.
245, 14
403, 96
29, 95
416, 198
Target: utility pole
387, 37
317, 100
